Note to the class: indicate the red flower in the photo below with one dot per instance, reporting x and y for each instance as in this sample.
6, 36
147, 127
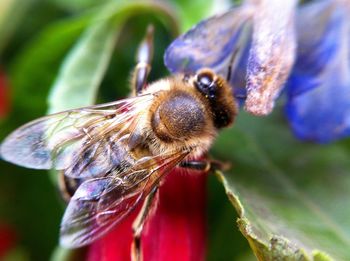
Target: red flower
175, 231
4, 95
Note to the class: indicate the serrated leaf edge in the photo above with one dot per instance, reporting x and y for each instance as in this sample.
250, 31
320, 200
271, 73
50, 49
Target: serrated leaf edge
264, 250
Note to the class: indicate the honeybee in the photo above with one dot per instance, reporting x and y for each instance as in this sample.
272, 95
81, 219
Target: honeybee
121, 151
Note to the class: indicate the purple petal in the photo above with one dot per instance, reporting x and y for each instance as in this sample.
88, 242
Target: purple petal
318, 105
272, 53
318, 28
212, 43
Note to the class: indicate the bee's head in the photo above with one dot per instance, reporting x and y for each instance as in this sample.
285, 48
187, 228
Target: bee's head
219, 95
192, 106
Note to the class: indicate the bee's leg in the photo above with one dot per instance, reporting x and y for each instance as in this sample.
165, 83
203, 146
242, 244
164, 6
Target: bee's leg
143, 58
205, 165
137, 227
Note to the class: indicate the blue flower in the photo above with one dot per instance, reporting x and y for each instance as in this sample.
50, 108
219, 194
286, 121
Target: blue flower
263, 46
318, 89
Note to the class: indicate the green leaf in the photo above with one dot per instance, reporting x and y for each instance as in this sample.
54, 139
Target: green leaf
221, 216
192, 12
84, 67
35, 66
11, 13
291, 198
77, 5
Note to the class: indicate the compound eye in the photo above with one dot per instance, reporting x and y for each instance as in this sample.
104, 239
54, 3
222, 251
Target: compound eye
204, 80
205, 84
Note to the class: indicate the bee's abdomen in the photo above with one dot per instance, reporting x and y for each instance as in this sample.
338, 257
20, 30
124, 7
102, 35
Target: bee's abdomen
179, 117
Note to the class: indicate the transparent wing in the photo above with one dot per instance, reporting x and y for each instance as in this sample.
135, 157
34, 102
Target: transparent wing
101, 203
83, 141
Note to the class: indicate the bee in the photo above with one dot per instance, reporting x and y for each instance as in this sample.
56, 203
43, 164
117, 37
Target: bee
119, 153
